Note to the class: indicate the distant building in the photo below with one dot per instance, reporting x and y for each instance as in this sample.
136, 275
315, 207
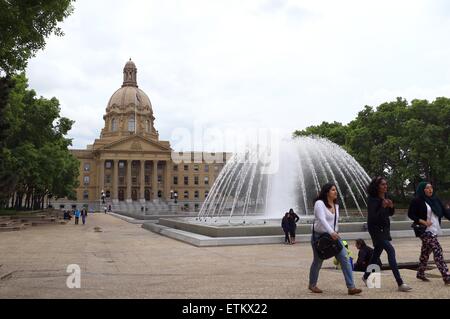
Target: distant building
131, 165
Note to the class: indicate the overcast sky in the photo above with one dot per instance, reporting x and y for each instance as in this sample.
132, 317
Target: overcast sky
227, 66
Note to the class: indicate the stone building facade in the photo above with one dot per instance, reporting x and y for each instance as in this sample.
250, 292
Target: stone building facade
130, 164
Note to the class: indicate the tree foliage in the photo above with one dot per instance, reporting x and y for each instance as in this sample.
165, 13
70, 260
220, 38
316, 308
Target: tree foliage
24, 27
36, 149
406, 142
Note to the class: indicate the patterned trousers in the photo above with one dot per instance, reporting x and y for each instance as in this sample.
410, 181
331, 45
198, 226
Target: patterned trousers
430, 244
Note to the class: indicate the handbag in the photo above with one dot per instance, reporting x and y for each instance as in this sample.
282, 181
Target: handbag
418, 228
325, 246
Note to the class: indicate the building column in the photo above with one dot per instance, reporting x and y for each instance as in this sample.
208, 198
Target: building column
142, 181
155, 180
128, 198
101, 182
115, 190
167, 181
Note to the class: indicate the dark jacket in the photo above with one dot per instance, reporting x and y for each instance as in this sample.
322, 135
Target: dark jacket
378, 222
364, 256
418, 210
285, 224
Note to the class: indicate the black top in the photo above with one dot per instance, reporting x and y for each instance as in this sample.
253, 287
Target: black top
378, 222
418, 210
364, 256
285, 223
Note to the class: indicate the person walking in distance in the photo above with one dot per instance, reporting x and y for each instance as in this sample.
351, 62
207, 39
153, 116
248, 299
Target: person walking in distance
326, 215
380, 208
285, 226
77, 216
426, 210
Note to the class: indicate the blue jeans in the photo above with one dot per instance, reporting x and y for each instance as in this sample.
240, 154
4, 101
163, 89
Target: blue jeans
377, 250
317, 264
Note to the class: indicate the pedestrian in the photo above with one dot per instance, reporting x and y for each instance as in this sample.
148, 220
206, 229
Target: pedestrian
426, 210
105, 209
364, 254
285, 227
380, 208
293, 224
326, 215
83, 215
77, 216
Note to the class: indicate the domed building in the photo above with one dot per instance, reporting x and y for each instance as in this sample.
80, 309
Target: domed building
128, 166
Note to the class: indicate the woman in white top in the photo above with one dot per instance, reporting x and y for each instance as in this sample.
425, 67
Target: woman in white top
326, 211
427, 211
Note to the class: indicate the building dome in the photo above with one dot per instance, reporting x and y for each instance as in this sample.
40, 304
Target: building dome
129, 96
129, 109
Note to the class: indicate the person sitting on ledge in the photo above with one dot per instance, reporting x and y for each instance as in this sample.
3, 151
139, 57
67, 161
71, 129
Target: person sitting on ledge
364, 255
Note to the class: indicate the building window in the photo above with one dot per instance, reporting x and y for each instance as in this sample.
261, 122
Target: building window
121, 164
186, 167
186, 194
107, 179
196, 167
206, 194
134, 180
108, 164
85, 194
216, 168
159, 178
86, 180
186, 206
196, 207
206, 168
87, 167
206, 180
196, 180
196, 194
147, 179
131, 124
159, 194
108, 194
113, 125
186, 180
175, 168
175, 180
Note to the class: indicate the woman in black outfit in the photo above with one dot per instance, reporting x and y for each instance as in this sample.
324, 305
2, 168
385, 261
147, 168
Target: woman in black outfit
380, 208
293, 224
426, 210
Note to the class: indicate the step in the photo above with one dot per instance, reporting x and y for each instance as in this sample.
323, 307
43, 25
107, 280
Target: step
11, 228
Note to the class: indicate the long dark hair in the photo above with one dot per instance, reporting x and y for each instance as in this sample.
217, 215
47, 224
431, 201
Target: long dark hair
374, 185
323, 195
361, 243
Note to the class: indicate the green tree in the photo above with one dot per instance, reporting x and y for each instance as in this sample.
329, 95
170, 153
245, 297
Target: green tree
37, 148
405, 142
24, 27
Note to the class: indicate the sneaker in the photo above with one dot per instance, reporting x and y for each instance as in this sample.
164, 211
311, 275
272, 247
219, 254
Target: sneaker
315, 289
404, 288
354, 291
422, 277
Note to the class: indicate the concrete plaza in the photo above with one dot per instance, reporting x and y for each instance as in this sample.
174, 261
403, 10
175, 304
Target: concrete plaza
124, 260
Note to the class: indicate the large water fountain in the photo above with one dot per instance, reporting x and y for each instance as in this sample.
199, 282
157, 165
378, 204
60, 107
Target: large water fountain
256, 188
268, 182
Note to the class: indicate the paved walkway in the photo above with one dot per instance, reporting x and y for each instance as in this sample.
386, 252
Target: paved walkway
126, 261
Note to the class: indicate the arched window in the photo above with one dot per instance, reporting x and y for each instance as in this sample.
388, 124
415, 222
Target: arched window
113, 125
131, 124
